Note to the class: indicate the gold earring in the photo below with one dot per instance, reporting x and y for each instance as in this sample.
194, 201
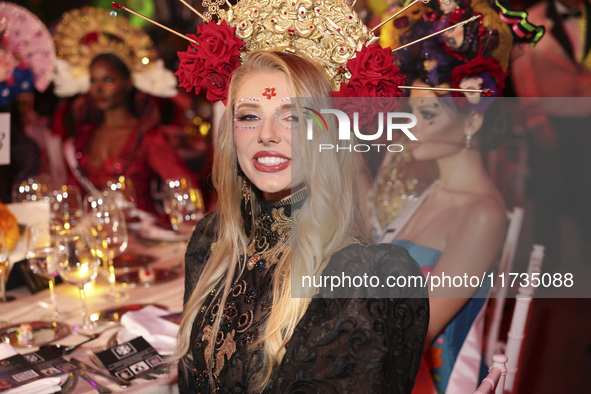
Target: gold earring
245, 193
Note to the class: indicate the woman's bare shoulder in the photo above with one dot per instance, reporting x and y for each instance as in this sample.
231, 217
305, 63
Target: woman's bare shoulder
485, 210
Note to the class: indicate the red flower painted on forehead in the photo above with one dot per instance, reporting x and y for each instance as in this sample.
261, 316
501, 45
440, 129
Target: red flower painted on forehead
269, 92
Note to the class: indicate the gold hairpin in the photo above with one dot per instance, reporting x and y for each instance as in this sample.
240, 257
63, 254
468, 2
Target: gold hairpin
395, 15
193, 9
438, 32
118, 6
484, 92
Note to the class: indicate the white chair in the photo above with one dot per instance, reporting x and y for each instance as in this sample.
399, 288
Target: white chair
499, 293
521, 312
495, 380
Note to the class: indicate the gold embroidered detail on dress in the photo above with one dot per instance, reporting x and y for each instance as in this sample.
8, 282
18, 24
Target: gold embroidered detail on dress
224, 347
272, 237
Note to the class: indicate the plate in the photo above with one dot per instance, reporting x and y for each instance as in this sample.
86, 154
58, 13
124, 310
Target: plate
132, 260
163, 275
44, 332
114, 315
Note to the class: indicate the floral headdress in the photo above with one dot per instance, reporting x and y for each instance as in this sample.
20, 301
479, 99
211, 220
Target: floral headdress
328, 33
88, 32
476, 57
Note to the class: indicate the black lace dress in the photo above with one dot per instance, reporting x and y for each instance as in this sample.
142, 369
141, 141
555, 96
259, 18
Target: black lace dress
341, 345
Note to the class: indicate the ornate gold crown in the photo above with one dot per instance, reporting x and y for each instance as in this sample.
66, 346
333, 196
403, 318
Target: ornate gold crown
85, 33
328, 32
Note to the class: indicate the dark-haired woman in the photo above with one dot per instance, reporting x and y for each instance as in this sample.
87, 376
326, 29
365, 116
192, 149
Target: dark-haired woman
456, 227
118, 134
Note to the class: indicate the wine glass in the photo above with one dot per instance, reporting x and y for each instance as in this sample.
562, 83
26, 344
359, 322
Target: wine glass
33, 189
183, 204
4, 263
107, 226
123, 192
41, 257
66, 207
78, 264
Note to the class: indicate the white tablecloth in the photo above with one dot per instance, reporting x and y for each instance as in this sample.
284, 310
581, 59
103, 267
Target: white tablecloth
29, 307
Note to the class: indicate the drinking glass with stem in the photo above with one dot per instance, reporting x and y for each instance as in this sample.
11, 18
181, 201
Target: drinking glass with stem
78, 264
65, 207
40, 243
183, 203
31, 190
107, 225
4, 264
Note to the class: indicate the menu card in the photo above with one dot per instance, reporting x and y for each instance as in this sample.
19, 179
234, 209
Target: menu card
16, 371
49, 362
130, 360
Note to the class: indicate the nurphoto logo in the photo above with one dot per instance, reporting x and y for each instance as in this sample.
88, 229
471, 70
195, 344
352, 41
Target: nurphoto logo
344, 126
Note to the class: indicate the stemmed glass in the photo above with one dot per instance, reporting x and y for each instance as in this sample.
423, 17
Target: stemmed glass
107, 226
123, 192
66, 207
33, 189
4, 263
184, 205
41, 256
78, 264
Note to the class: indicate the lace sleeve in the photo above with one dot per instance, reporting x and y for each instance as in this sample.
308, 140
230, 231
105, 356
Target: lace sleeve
359, 345
198, 251
195, 258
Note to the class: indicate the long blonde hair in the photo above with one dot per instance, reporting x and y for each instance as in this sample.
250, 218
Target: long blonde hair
329, 219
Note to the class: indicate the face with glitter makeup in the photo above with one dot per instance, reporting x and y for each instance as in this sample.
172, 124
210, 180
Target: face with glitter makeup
440, 130
263, 126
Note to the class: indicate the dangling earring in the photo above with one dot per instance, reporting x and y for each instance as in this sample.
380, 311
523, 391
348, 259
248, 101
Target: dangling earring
468, 138
239, 169
245, 193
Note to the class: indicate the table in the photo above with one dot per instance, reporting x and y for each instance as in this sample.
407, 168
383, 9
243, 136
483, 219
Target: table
29, 307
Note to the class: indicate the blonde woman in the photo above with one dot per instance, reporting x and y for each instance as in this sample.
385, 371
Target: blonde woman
242, 331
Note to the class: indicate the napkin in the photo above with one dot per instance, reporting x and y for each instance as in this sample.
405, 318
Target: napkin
41, 386
146, 322
28, 214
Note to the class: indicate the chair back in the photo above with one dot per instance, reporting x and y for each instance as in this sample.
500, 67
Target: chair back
495, 380
499, 293
521, 312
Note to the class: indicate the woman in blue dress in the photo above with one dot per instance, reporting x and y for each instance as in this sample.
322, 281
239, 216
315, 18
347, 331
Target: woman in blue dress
455, 227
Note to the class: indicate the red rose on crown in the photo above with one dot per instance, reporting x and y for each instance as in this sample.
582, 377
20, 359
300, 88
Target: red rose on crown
477, 66
216, 81
218, 44
373, 74
189, 70
488, 69
210, 63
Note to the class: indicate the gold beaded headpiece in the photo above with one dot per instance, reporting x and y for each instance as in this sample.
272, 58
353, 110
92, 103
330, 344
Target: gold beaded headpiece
328, 32
85, 33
